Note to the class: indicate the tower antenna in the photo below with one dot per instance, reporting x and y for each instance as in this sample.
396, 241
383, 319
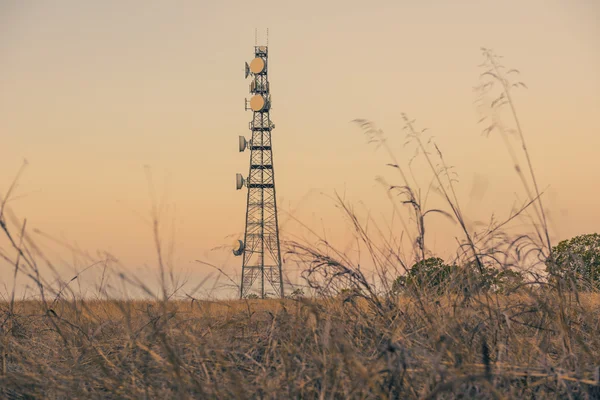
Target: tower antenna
260, 249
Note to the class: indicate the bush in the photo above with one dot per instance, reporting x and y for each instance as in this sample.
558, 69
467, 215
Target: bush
432, 274
577, 261
507, 281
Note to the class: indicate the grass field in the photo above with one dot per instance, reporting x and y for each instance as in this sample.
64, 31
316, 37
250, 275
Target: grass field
522, 346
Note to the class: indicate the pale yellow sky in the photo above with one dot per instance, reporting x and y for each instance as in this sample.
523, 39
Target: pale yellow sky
90, 92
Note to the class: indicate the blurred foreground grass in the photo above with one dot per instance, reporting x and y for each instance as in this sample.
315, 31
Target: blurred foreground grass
329, 348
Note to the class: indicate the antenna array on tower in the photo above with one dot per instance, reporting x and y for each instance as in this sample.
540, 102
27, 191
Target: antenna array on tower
260, 249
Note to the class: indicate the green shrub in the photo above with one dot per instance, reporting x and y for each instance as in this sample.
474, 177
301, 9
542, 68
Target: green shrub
433, 274
577, 262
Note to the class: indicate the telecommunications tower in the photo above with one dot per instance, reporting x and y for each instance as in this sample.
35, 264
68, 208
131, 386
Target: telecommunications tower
260, 250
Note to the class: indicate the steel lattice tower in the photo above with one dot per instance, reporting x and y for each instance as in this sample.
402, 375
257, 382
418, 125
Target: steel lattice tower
260, 249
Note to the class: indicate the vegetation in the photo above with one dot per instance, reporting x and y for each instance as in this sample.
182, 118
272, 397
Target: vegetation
300, 349
432, 274
576, 261
490, 323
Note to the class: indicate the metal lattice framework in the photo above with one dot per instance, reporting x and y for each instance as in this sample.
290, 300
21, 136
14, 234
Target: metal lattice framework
261, 261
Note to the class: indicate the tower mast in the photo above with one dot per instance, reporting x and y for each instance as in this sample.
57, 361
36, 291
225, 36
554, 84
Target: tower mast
260, 249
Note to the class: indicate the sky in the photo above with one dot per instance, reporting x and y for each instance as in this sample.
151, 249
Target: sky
102, 98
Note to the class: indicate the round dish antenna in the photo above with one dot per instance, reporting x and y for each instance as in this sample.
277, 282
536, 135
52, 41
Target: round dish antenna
238, 248
257, 65
243, 143
247, 70
258, 103
239, 181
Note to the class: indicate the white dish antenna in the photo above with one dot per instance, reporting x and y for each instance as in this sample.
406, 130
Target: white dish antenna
257, 65
243, 144
247, 70
238, 248
258, 103
239, 181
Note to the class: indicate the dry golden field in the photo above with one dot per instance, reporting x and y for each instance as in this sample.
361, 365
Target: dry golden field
527, 345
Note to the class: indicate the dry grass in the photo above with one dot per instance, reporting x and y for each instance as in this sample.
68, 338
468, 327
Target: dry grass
334, 348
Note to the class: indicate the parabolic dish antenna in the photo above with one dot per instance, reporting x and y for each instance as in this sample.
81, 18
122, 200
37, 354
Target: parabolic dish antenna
257, 65
239, 181
238, 248
258, 103
243, 143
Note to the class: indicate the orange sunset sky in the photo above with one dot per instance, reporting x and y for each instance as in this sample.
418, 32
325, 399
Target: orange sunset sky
91, 92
